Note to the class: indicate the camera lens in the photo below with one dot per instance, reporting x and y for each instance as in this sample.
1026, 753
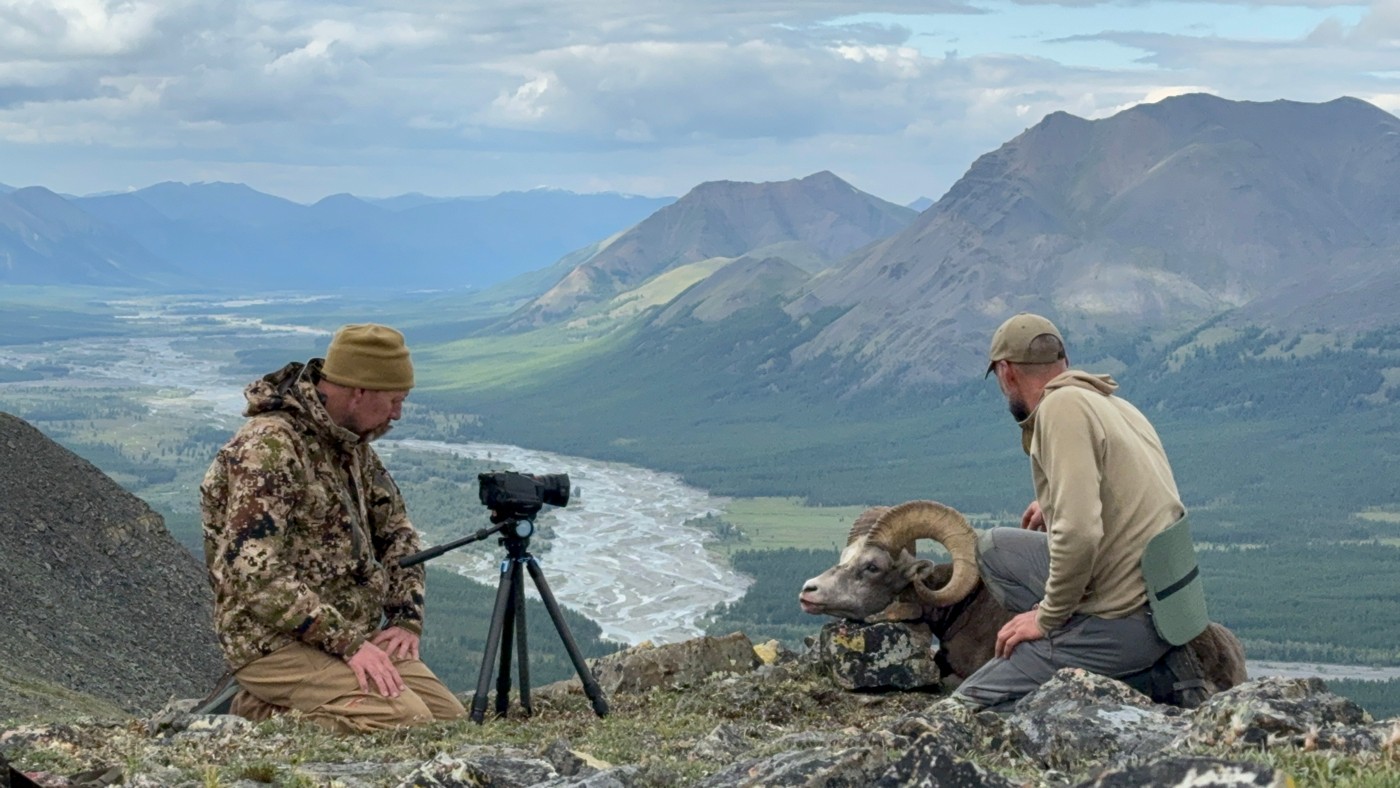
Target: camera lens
554, 488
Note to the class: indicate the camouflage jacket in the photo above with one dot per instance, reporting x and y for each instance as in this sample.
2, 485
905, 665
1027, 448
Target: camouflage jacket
303, 529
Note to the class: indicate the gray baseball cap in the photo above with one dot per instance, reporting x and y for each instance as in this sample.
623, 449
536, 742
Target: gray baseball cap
1012, 341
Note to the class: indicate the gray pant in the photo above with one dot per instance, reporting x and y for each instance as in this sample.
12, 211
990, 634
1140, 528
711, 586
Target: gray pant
1015, 564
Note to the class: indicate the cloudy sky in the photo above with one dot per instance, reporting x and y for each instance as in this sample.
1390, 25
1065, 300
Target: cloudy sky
307, 98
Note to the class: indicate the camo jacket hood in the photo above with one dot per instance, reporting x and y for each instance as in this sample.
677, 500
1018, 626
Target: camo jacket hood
303, 529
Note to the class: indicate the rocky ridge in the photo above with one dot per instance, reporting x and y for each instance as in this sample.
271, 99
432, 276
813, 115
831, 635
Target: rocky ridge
720, 712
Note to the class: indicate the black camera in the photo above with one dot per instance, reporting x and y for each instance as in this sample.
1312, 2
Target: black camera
519, 496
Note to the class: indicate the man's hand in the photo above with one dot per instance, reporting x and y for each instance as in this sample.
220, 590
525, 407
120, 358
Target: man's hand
1033, 519
1019, 629
371, 664
397, 642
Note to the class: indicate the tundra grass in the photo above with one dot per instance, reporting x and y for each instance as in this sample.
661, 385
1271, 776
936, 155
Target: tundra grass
508, 362
777, 523
657, 291
769, 523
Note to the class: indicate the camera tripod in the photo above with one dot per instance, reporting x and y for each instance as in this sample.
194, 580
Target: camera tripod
508, 620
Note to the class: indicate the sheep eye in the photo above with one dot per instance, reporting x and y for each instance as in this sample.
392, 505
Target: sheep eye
872, 567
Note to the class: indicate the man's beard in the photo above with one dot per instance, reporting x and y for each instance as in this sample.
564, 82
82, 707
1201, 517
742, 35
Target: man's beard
1018, 409
377, 433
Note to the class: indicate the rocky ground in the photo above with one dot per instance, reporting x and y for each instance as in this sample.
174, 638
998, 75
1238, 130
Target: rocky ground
718, 712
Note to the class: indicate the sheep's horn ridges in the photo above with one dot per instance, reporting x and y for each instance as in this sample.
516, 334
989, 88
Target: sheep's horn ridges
913, 520
865, 522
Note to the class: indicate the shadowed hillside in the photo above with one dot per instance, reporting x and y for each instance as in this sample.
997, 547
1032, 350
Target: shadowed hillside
96, 597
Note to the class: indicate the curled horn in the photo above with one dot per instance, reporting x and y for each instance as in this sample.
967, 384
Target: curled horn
908, 522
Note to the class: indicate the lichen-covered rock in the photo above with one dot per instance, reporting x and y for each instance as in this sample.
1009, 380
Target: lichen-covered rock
1275, 712
1078, 719
353, 774
569, 763
831, 767
773, 652
480, 767
961, 729
879, 656
646, 666
929, 763
1192, 773
725, 743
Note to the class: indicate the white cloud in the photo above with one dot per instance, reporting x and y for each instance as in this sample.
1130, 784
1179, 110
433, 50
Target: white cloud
76, 28
320, 96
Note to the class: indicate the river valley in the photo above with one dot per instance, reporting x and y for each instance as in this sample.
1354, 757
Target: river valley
621, 553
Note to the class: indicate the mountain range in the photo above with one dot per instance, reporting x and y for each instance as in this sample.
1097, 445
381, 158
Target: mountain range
1154, 222
225, 235
1162, 216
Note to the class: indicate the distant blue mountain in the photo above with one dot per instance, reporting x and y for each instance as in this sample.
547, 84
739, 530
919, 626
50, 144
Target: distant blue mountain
227, 234
921, 204
45, 239
403, 202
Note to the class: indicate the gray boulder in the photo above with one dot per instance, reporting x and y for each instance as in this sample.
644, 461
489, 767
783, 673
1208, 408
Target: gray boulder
645, 667
930, 763
1274, 712
832, 767
887, 655
1078, 719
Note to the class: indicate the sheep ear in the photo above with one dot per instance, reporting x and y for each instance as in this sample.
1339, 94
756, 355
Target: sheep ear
915, 570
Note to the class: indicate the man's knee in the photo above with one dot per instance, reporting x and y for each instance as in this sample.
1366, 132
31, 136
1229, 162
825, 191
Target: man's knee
427, 686
1013, 563
1004, 680
365, 712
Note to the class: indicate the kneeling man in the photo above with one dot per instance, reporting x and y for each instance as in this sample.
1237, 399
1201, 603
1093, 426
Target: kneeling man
303, 532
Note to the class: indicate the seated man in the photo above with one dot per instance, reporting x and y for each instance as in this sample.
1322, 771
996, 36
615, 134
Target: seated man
1103, 490
303, 532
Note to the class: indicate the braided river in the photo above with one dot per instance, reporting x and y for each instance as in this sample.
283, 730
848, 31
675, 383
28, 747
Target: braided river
620, 552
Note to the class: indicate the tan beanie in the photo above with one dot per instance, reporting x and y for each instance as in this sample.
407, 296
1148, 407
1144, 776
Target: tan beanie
368, 356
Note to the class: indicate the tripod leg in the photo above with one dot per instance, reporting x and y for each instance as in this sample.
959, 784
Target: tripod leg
483, 679
508, 619
522, 646
590, 686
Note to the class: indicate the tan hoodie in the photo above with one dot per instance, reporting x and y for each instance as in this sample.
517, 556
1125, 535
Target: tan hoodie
1106, 488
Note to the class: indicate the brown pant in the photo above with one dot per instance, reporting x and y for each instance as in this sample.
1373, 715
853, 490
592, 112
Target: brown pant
324, 688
